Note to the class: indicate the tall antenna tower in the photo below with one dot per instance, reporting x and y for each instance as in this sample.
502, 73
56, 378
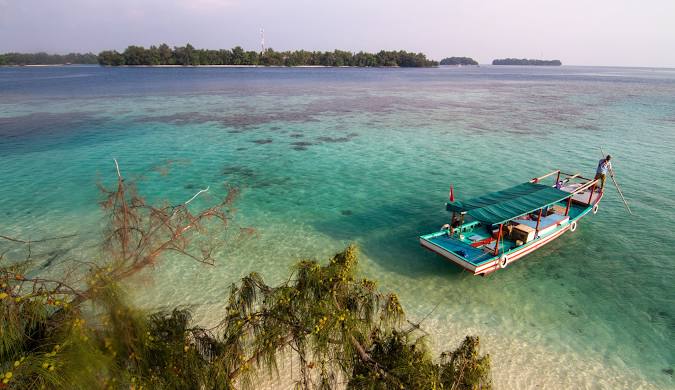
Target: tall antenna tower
262, 40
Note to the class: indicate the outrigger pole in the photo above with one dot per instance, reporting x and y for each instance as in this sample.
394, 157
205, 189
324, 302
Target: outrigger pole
616, 185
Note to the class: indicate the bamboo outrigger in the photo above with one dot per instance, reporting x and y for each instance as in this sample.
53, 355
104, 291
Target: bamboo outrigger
489, 232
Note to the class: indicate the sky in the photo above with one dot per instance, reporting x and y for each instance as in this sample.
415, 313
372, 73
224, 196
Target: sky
578, 32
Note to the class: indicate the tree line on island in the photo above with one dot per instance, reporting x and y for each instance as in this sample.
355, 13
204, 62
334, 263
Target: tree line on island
524, 61
190, 56
47, 59
458, 61
325, 325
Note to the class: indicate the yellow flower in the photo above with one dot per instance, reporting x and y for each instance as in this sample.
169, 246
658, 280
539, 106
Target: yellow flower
45, 365
51, 368
8, 375
3, 295
16, 363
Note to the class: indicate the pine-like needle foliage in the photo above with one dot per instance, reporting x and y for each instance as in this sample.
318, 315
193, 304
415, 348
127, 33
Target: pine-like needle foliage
326, 325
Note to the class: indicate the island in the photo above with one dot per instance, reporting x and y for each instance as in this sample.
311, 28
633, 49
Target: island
523, 61
47, 59
190, 56
458, 61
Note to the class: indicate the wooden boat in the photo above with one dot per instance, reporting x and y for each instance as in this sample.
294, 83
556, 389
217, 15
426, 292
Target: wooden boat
490, 232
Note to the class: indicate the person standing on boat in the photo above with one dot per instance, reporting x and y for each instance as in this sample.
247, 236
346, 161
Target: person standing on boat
604, 166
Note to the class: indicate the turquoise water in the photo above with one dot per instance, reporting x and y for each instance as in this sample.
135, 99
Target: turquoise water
325, 157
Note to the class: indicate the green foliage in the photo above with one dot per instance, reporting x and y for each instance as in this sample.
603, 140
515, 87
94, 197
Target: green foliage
458, 61
409, 362
336, 324
339, 328
111, 57
188, 55
47, 59
43, 339
464, 368
524, 61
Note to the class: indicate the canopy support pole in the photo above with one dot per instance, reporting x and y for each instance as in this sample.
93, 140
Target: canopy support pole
536, 229
499, 237
569, 203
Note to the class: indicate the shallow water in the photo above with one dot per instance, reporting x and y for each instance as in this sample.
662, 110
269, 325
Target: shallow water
325, 157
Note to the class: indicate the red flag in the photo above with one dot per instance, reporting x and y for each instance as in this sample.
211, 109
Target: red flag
452, 194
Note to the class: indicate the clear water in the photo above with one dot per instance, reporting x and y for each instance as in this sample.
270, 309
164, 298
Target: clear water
326, 157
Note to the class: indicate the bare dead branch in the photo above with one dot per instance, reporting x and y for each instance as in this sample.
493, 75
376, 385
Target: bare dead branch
34, 241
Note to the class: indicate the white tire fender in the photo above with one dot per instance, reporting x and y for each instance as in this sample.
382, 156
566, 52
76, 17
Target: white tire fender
503, 260
573, 226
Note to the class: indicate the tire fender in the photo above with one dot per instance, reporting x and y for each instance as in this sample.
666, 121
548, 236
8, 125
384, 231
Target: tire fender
503, 260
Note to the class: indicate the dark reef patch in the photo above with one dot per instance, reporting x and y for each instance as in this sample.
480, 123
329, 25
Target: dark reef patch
245, 121
301, 145
310, 112
333, 140
181, 118
587, 127
296, 135
667, 371
346, 138
47, 123
346, 212
242, 176
262, 141
236, 170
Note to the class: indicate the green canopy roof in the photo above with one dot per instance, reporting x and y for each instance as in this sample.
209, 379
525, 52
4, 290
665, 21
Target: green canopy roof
501, 206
